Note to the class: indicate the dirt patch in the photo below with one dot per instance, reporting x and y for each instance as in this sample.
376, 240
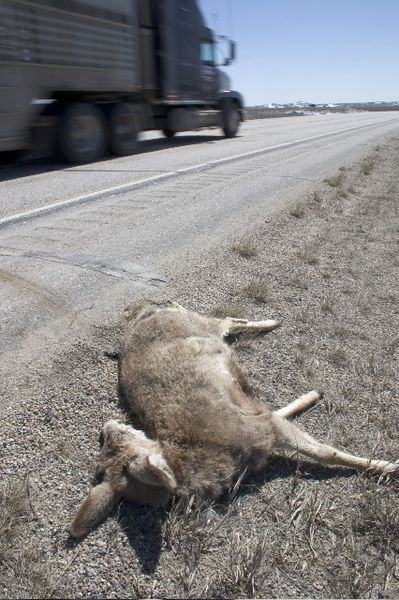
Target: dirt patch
327, 269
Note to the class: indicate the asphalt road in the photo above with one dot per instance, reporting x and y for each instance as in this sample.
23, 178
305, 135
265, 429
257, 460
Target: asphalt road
76, 244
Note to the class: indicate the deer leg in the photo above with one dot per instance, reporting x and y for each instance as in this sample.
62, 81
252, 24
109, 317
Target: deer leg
299, 405
232, 326
291, 437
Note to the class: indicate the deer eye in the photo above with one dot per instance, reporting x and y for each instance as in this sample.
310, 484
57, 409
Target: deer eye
101, 439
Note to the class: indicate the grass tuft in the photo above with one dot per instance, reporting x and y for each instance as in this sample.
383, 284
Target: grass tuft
246, 248
336, 180
257, 290
24, 570
234, 310
367, 165
308, 256
297, 211
338, 357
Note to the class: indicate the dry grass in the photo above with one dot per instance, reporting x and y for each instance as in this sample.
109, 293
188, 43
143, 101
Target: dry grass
341, 193
14, 513
341, 332
24, 570
192, 531
257, 290
337, 357
235, 310
247, 567
308, 255
244, 247
316, 198
327, 308
298, 281
336, 181
368, 165
297, 211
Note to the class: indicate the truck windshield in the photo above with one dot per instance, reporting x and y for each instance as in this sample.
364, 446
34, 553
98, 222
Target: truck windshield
207, 53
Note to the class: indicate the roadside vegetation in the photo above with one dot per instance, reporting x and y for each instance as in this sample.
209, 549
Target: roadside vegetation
24, 570
244, 247
327, 269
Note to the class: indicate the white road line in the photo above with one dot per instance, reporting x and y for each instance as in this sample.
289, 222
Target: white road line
117, 189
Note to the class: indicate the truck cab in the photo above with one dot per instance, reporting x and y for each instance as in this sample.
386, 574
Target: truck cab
194, 90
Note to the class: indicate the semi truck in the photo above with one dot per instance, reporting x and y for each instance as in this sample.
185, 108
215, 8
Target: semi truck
85, 77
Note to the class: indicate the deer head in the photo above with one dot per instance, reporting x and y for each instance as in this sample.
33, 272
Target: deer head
131, 465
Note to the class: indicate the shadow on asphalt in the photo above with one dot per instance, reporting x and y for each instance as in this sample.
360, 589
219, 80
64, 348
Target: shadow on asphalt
14, 166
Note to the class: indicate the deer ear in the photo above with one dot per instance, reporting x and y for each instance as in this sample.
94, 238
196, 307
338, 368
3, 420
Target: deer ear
158, 466
95, 507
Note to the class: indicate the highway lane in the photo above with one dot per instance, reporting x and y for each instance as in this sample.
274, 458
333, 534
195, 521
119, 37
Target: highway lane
76, 267
23, 189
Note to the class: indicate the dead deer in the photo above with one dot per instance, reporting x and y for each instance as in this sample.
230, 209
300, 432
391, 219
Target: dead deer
202, 426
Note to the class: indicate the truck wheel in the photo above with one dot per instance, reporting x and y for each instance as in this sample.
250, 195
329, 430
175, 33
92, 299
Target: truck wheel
168, 133
82, 135
124, 127
231, 120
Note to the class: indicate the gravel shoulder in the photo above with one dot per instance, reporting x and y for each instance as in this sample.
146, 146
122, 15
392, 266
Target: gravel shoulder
327, 268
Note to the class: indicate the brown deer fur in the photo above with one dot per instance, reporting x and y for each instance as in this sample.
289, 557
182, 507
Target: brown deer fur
202, 425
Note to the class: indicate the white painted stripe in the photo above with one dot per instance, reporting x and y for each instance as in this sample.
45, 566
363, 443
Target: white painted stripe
125, 187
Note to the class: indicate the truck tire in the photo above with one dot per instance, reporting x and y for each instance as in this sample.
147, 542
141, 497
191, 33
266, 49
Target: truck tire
82, 135
231, 119
124, 128
168, 133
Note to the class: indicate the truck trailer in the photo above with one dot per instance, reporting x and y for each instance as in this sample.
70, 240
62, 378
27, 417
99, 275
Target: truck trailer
85, 77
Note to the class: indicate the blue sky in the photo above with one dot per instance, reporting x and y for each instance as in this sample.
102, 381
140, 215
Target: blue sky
312, 50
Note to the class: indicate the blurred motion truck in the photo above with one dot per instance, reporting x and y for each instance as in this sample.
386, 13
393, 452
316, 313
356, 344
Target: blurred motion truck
85, 77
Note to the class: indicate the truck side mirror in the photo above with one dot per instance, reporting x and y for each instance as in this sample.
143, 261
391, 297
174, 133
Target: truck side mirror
232, 56
232, 51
